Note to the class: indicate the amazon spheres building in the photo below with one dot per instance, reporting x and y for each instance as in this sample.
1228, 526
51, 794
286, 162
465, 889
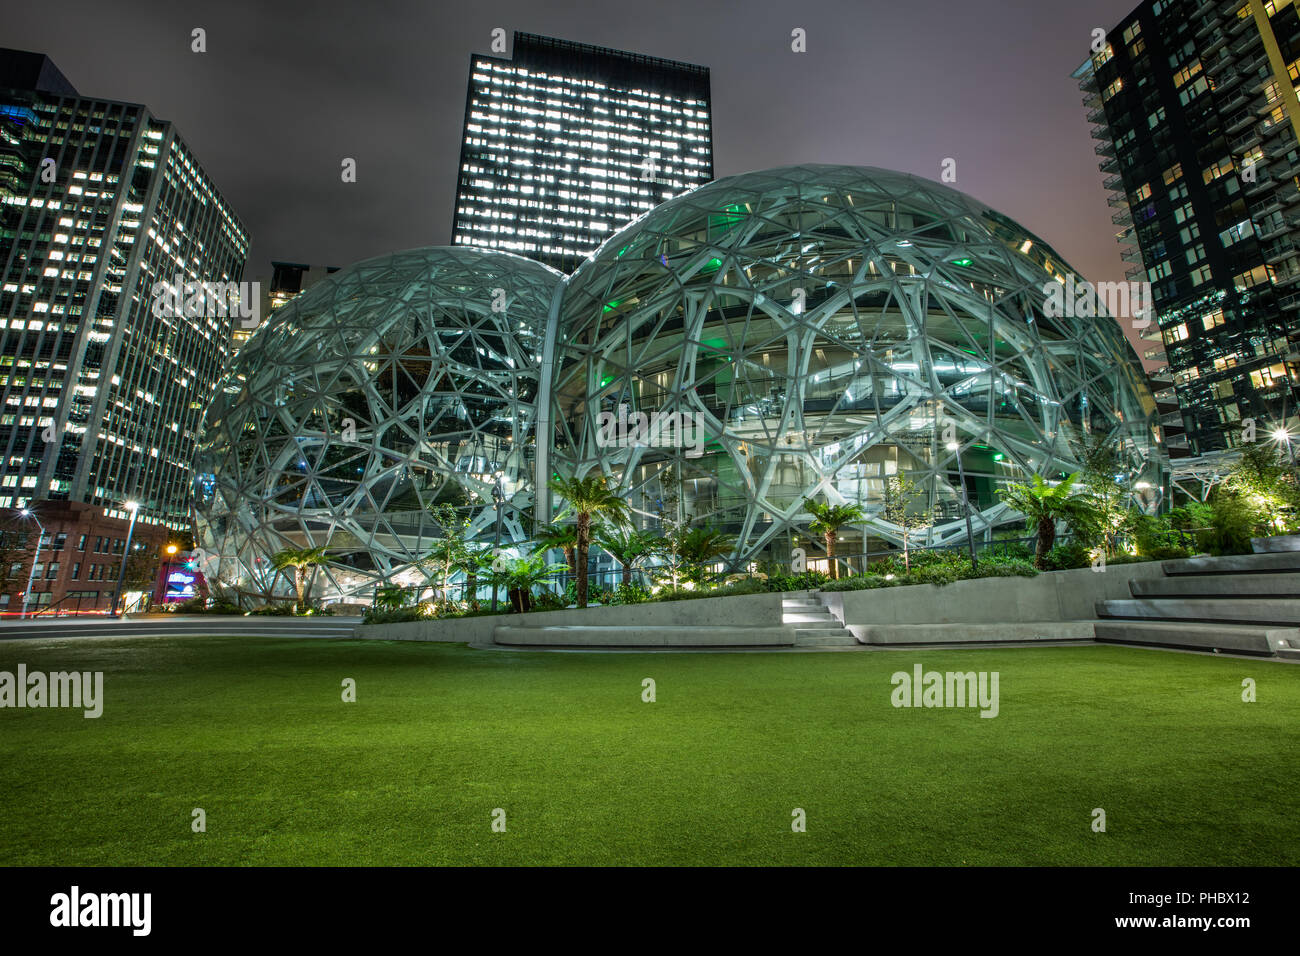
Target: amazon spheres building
808, 331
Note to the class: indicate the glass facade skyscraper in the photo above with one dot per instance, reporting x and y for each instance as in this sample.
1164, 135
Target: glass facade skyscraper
566, 143
101, 397
1196, 117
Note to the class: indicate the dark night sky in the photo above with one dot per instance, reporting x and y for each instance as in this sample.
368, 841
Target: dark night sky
287, 89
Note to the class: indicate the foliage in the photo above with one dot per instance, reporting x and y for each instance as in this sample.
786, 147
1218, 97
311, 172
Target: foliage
695, 549
390, 598
1065, 557
300, 561
627, 546
1043, 505
283, 609
900, 492
827, 521
450, 552
1100, 461
559, 537
803, 581
589, 498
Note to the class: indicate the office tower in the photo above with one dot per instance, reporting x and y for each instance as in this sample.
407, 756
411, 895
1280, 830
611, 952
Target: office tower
1197, 122
102, 205
288, 281
566, 143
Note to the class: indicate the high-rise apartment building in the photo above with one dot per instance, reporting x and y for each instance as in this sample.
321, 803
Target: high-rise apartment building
101, 391
565, 143
1196, 117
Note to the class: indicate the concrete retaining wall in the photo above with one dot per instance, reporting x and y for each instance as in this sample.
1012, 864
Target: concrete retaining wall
1051, 596
574, 636
747, 610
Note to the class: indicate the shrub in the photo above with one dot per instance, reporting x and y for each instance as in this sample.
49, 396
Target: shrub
804, 581
629, 594
936, 573
860, 582
393, 616
1064, 557
549, 601
1006, 568
390, 598
273, 610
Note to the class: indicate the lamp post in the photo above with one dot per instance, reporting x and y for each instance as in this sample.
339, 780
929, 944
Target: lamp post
965, 503
134, 508
40, 541
498, 496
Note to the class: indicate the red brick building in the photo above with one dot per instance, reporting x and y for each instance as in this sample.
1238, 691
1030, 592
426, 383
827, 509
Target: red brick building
76, 568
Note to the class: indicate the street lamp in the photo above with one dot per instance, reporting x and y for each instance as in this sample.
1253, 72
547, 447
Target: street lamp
40, 541
134, 508
498, 496
965, 504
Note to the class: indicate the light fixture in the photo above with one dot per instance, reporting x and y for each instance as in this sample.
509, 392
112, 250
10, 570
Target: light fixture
1281, 434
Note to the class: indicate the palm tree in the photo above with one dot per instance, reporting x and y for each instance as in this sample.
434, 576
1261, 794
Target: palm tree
1043, 505
697, 548
827, 521
560, 537
628, 546
520, 575
588, 498
300, 560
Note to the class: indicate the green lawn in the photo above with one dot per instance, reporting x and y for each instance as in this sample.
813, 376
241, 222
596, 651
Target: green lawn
254, 732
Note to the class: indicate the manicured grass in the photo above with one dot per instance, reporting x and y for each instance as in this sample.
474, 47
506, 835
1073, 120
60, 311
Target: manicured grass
254, 732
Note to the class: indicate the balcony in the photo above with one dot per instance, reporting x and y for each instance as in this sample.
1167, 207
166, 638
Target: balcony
1097, 116
1122, 218
1262, 182
1240, 25
1109, 165
1131, 255
1279, 227
1278, 251
1113, 183
1105, 148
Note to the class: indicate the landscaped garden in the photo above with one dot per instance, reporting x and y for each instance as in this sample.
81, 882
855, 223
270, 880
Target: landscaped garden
254, 732
1072, 521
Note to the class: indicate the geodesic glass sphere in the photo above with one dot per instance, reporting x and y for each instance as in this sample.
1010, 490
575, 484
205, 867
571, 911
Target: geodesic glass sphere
398, 383
826, 328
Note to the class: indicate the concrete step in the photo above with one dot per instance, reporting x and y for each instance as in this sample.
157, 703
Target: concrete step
802, 605
1223, 610
1235, 638
1259, 585
814, 624
1235, 564
1030, 632
824, 638
572, 635
1278, 542
799, 617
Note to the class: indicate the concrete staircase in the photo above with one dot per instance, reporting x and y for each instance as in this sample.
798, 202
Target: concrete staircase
1243, 604
814, 624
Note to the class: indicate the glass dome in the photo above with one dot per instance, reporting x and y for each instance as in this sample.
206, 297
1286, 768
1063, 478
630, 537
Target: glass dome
401, 382
825, 328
